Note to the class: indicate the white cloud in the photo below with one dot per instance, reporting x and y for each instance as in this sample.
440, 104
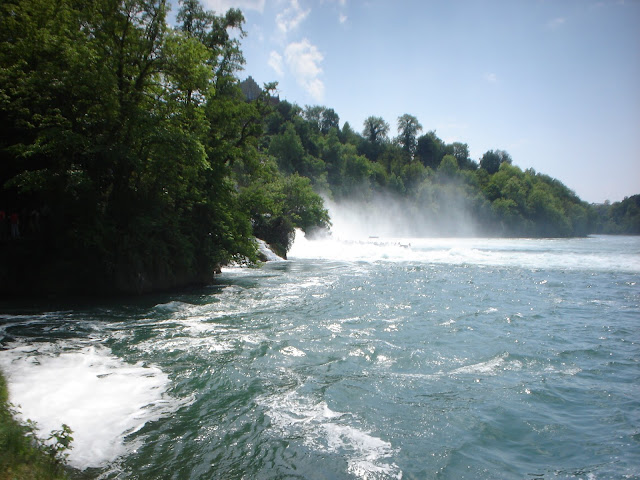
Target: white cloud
221, 6
291, 17
491, 77
342, 4
556, 23
315, 88
303, 59
275, 62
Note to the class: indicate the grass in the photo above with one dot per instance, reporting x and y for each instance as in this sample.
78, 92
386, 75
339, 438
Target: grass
22, 455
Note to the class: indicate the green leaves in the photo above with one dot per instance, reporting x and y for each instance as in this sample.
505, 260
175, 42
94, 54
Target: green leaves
408, 128
188, 77
280, 205
125, 131
288, 150
619, 217
376, 129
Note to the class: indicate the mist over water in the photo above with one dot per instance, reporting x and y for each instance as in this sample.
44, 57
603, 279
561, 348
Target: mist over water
369, 354
384, 230
387, 216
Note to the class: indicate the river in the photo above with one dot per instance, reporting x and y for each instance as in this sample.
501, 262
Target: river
367, 358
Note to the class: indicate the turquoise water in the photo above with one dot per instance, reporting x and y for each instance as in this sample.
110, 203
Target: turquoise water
362, 358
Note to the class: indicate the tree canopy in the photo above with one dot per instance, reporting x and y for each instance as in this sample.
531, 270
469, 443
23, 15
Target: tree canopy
376, 129
126, 146
408, 129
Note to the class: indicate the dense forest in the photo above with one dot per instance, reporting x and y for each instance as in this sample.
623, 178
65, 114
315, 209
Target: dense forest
132, 158
618, 218
129, 153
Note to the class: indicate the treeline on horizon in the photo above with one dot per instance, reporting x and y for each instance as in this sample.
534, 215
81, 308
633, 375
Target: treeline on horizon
441, 188
133, 160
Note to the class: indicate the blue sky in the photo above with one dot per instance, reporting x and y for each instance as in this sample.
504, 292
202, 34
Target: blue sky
555, 83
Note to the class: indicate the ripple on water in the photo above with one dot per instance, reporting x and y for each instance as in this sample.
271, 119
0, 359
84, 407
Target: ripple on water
295, 416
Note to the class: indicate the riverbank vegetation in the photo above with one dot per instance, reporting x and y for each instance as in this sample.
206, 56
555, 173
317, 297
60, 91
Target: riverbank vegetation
133, 159
127, 145
619, 218
22, 455
437, 184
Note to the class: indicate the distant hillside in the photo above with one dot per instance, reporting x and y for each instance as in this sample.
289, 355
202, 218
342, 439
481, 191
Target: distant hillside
437, 185
619, 218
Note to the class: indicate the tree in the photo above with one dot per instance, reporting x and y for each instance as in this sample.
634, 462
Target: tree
124, 132
492, 160
448, 166
349, 135
313, 115
287, 149
228, 57
332, 154
356, 172
408, 128
322, 119
461, 152
413, 174
375, 130
278, 205
430, 149
330, 120
194, 20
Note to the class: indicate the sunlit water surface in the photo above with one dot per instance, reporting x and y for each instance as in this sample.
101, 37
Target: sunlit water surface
365, 359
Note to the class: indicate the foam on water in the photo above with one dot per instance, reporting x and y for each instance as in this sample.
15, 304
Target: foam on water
585, 253
100, 397
173, 306
292, 351
267, 252
490, 367
298, 416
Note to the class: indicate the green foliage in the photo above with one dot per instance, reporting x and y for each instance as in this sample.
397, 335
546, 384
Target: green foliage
620, 218
321, 119
448, 167
408, 129
413, 174
288, 150
461, 152
281, 204
349, 135
375, 130
430, 149
492, 160
438, 182
135, 140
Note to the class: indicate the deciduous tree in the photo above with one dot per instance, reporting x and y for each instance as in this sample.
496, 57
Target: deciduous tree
408, 129
376, 129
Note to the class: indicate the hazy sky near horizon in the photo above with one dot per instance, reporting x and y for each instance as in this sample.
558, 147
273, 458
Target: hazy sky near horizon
554, 83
